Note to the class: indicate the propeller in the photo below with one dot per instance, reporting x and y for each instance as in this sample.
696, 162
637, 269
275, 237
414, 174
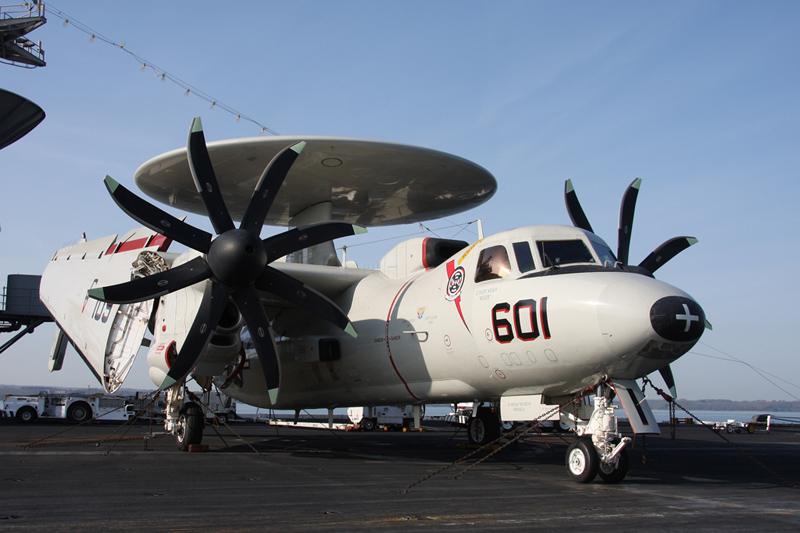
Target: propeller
657, 258
236, 262
669, 380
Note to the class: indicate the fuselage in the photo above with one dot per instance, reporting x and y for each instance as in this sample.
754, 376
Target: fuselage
536, 310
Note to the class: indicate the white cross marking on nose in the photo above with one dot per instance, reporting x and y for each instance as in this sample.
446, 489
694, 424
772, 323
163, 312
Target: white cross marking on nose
687, 317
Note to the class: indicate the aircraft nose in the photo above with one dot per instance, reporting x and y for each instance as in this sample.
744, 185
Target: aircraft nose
647, 323
677, 318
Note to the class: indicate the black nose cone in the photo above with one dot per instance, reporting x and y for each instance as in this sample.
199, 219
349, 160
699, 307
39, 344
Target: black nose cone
678, 319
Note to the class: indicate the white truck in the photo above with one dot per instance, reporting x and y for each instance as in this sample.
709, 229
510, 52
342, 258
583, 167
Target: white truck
757, 423
73, 407
218, 404
368, 418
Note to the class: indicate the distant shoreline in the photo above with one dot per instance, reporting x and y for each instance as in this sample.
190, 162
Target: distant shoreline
762, 406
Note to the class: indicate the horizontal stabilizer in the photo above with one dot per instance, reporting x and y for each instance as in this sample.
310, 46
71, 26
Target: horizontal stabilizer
638, 411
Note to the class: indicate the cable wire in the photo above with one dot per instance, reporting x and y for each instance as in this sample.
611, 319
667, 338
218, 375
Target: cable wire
159, 72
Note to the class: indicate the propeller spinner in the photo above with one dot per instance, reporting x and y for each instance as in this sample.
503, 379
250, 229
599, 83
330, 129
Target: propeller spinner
236, 262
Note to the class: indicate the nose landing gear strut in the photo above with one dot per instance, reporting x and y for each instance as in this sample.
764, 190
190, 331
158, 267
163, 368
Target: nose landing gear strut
600, 448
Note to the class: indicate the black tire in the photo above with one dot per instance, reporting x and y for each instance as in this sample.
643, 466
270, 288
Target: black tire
729, 428
582, 461
190, 427
368, 424
27, 414
483, 428
79, 412
616, 474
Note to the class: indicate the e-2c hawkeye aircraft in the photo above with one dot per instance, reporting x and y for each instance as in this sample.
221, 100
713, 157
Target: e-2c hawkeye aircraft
525, 323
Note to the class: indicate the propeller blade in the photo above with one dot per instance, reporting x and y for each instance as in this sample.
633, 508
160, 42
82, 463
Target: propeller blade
574, 208
211, 308
249, 303
268, 186
626, 210
666, 373
297, 292
154, 218
665, 252
154, 286
290, 241
205, 180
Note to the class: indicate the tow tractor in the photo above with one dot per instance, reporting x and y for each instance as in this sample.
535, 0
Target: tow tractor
389, 416
74, 407
757, 423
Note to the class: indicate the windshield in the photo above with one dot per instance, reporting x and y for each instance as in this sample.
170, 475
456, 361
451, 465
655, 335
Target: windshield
493, 263
604, 253
555, 253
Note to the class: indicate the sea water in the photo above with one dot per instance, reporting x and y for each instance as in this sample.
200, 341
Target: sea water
441, 410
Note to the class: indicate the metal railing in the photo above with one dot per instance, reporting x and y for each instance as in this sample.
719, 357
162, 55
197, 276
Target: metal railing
23, 10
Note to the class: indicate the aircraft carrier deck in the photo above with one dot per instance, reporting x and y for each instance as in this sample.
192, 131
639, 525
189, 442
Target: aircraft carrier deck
293, 479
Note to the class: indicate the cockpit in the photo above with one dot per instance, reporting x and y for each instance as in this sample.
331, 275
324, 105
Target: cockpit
540, 249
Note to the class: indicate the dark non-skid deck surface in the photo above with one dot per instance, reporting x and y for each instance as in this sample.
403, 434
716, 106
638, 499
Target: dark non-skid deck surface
293, 479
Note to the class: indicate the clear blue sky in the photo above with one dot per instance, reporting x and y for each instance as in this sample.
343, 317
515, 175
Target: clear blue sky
699, 99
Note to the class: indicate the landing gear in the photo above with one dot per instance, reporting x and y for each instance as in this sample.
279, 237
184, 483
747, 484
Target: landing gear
189, 429
484, 427
616, 473
582, 461
600, 448
184, 420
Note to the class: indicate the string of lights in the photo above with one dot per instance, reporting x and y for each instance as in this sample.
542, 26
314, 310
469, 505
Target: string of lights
160, 73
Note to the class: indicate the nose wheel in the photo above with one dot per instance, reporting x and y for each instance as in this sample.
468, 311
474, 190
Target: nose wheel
615, 473
582, 461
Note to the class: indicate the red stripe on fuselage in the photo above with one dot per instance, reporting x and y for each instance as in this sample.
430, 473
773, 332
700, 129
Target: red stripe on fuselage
160, 241
388, 345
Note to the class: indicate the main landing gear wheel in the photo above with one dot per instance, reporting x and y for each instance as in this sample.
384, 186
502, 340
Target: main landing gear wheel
582, 461
615, 474
190, 427
483, 428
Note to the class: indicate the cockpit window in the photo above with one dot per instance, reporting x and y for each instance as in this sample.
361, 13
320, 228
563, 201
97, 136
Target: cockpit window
524, 256
604, 253
493, 263
555, 253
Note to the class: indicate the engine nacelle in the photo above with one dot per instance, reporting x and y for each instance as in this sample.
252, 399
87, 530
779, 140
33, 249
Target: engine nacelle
225, 344
173, 321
